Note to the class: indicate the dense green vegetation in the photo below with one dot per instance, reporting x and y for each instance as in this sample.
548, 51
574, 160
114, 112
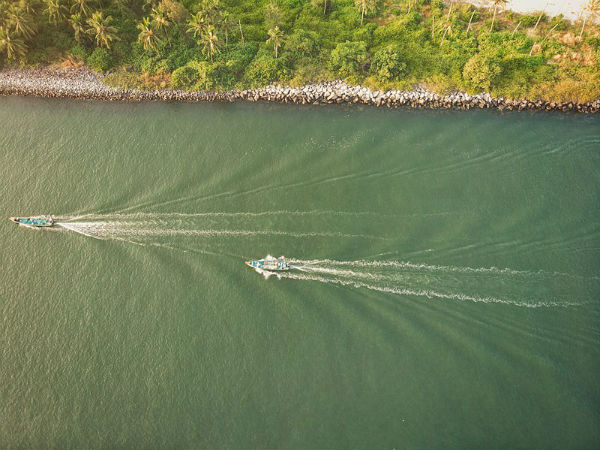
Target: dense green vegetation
224, 44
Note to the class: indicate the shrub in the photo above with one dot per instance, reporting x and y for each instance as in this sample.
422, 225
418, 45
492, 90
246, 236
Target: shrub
188, 76
79, 52
480, 72
302, 43
266, 69
387, 64
100, 60
348, 59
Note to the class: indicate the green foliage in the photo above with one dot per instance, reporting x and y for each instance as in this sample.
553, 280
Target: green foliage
188, 76
266, 69
100, 60
480, 73
351, 39
387, 64
348, 59
303, 43
79, 52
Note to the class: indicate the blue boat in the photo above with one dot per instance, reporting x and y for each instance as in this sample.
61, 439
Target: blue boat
34, 222
269, 263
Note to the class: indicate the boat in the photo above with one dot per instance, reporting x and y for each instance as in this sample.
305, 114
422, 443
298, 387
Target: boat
269, 263
34, 222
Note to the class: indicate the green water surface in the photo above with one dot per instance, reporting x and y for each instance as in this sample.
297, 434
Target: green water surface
445, 290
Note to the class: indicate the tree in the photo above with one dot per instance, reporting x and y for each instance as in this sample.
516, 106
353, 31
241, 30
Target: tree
28, 5
160, 19
21, 22
147, 36
13, 46
496, 4
273, 15
348, 58
317, 3
210, 41
80, 7
365, 6
226, 25
211, 10
275, 38
101, 28
196, 25
593, 9
55, 11
480, 72
76, 22
387, 64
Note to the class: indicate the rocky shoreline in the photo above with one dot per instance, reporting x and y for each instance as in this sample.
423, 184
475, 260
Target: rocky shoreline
84, 84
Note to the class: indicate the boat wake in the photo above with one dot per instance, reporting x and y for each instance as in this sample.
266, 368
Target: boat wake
530, 289
220, 231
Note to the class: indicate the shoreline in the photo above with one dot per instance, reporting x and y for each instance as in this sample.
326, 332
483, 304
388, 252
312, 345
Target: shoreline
87, 85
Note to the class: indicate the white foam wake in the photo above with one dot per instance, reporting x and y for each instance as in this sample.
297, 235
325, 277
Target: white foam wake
431, 294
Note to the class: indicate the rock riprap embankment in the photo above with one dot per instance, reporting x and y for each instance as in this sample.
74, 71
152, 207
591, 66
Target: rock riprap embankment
84, 84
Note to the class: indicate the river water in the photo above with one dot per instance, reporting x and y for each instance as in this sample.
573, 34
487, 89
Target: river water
445, 288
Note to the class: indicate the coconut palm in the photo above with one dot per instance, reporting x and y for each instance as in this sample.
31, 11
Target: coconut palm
275, 38
28, 5
77, 23
471, 21
211, 11
496, 4
210, 41
592, 8
160, 19
196, 25
80, 7
365, 6
101, 28
147, 36
226, 25
55, 10
21, 22
13, 46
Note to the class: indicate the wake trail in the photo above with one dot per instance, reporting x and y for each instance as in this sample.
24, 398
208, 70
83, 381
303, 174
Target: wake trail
115, 229
431, 294
323, 263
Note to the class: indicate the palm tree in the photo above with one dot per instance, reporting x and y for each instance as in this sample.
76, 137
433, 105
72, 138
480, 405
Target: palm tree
210, 41
275, 38
471, 20
196, 25
364, 6
12, 46
147, 36
593, 9
226, 25
76, 22
101, 28
496, 4
55, 11
159, 17
80, 7
28, 5
21, 22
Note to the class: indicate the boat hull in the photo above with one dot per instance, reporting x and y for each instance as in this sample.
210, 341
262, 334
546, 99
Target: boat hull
270, 264
33, 222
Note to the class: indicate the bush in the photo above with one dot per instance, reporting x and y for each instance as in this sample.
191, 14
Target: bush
480, 72
266, 69
387, 64
188, 76
302, 43
348, 59
100, 60
79, 52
